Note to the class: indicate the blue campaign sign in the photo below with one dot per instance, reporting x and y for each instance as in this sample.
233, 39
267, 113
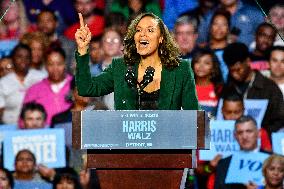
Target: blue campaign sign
32, 185
6, 46
7, 127
151, 129
253, 107
222, 140
256, 109
278, 143
3, 128
48, 146
248, 165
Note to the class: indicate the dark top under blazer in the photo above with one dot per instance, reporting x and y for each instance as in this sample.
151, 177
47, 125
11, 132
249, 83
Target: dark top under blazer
177, 87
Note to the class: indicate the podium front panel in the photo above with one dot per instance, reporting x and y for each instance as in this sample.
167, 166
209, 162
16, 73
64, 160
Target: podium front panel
140, 161
151, 129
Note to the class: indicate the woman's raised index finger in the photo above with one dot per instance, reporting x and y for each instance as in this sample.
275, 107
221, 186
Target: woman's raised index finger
81, 20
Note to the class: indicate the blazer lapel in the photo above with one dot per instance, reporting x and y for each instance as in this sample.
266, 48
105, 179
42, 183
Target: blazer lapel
128, 93
167, 87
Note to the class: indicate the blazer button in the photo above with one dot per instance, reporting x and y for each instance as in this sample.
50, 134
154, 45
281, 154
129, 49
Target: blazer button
123, 101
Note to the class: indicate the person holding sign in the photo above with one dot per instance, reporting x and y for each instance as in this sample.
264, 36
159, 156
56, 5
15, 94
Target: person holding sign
246, 134
149, 76
273, 172
25, 167
33, 116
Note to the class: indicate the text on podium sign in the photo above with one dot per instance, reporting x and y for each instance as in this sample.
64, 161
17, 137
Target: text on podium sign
161, 129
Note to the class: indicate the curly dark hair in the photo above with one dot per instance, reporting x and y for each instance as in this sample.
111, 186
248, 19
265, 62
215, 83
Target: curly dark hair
168, 50
69, 174
216, 76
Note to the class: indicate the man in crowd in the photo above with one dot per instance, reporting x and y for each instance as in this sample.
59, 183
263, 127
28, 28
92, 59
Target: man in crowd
47, 23
33, 116
246, 134
233, 107
264, 37
252, 85
186, 34
276, 64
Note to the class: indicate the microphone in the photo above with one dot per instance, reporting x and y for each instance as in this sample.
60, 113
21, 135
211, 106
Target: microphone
130, 77
147, 78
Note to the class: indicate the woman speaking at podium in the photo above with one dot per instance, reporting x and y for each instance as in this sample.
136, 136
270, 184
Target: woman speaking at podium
150, 76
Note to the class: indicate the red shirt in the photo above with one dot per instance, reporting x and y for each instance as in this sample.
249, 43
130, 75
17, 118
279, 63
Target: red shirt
206, 95
96, 26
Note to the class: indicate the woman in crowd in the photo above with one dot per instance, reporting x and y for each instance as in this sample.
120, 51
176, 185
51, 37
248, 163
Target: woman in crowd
218, 37
38, 42
52, 91
25, 167
149, 76
15, 22
6, 179
208, 79
273, 172
219, 30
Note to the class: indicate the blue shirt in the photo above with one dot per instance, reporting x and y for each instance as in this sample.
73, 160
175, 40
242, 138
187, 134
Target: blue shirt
173, 8
96, 69
246, 18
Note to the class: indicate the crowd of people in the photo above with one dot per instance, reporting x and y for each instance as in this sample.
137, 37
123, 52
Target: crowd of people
236, 53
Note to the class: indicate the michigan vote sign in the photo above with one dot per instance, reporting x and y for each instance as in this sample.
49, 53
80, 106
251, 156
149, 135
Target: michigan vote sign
47, 145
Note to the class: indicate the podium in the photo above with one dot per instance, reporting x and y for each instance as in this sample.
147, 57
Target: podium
140, 149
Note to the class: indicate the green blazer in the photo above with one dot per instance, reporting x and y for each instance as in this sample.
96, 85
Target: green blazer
177, 87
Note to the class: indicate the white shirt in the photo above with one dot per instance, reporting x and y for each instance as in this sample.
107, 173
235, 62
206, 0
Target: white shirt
281, 87
12, 93
58, 86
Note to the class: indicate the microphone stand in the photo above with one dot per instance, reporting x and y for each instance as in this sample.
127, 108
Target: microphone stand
139, 97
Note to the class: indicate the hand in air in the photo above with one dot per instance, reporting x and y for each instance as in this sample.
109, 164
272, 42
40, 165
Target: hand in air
83, 36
